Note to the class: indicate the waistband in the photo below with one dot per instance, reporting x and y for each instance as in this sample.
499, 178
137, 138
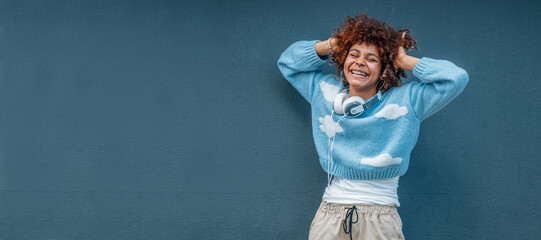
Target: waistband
341, 209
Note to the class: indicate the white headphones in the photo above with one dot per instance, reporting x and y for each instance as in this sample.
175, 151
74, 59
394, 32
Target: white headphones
352, 106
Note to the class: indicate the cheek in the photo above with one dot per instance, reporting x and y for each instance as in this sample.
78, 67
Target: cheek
376, 77
347, 63
376, 69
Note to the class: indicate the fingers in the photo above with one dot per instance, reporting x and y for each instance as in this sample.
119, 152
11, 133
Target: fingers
403, 40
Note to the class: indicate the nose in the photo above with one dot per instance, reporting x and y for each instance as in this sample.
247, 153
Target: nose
359, 62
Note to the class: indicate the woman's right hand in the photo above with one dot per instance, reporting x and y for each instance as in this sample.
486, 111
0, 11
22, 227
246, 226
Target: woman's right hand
322, 48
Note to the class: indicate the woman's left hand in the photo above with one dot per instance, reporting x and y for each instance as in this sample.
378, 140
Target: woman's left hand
403, 60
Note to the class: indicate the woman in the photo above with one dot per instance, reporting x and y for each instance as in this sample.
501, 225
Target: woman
366, 125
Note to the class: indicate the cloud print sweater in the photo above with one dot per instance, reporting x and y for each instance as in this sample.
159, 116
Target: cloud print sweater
377, 144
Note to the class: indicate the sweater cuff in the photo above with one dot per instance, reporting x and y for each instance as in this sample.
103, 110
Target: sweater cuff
312, 59
419, 68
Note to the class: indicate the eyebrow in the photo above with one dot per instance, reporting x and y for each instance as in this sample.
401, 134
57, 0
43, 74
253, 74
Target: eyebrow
369, 53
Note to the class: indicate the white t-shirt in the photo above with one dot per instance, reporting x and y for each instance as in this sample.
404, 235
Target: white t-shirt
346, 191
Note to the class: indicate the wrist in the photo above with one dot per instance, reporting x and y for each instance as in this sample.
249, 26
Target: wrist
329, 44
407, 62
325, 47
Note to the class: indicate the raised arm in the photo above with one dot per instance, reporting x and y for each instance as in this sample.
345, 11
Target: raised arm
325, 48
301, 65
441, 82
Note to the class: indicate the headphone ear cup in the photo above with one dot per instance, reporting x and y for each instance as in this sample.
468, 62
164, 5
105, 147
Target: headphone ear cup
353, 106
338, 103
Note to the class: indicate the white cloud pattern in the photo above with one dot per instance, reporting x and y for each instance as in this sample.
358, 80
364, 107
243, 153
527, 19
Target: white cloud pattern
329, 127
329, 90
381, 160
392, 112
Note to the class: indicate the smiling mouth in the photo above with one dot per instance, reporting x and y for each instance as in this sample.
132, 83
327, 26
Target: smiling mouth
359, 74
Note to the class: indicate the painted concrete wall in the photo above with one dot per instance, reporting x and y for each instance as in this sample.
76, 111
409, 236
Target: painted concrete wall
170, 120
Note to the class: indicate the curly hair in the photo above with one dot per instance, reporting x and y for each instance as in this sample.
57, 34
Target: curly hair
364, 29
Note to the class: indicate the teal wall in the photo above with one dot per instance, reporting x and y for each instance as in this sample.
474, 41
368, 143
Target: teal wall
170, 120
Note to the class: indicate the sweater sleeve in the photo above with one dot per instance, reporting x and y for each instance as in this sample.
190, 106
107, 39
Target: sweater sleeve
301, 66
441, 82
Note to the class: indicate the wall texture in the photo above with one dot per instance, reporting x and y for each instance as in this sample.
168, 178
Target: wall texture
170, 120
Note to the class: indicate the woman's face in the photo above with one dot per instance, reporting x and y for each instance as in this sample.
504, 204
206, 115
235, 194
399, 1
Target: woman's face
362, 67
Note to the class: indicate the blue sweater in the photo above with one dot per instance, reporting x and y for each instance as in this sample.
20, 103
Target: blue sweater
377, 144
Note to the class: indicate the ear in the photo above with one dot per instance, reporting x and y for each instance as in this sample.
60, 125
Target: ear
344, 80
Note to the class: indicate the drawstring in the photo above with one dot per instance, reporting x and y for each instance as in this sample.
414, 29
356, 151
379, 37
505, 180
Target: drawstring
347, 224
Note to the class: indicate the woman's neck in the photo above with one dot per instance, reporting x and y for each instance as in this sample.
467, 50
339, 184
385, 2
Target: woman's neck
365, 95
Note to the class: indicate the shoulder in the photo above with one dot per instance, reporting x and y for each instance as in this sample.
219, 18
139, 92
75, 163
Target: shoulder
328, 87
401, 91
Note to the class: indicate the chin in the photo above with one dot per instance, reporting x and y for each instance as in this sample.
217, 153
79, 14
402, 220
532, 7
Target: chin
359, 85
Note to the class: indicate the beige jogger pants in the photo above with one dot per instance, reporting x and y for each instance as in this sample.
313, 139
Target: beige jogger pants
363, 222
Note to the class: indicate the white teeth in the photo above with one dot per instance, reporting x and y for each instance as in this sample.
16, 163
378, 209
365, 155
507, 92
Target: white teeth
359, 73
